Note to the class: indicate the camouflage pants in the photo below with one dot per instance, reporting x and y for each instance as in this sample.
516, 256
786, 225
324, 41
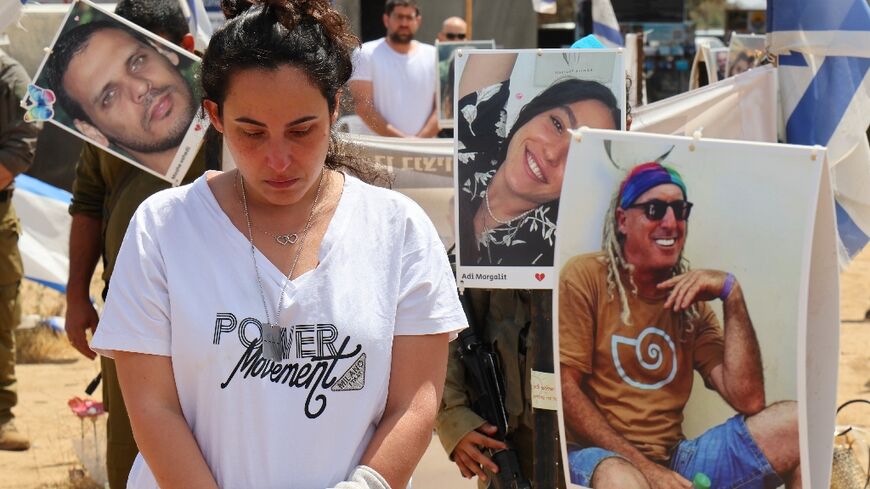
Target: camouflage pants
10, 306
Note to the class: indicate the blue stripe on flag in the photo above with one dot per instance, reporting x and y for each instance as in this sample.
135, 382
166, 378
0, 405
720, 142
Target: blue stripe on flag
852, 237
608, 33
819, 111
818, 15
51, 285
795, 59
38, 187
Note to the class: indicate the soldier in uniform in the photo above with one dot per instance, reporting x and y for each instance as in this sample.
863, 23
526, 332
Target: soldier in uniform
17, 145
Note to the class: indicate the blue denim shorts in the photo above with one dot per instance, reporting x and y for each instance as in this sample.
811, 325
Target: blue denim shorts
726, 453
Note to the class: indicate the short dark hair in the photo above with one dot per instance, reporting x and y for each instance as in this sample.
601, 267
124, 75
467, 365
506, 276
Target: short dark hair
162, 17
68, 45
391, 5
562, 93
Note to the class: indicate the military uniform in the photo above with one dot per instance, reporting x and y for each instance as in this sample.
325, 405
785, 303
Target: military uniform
504, 318
110, 189
17, 145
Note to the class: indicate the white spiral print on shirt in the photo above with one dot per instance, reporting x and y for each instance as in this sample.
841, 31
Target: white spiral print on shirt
654, 351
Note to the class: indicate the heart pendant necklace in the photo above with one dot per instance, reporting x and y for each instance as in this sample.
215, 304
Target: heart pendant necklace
285, 239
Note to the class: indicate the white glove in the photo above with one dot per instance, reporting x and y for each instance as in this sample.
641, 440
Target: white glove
363, 477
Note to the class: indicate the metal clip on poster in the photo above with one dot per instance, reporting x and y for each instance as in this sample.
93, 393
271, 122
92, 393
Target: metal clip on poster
696, 138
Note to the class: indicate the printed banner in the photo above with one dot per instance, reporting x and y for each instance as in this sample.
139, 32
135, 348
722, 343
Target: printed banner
123, 89
422, 170
514, 111
742, 107
656, 366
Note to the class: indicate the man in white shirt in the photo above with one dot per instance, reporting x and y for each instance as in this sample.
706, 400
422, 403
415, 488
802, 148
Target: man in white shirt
393, 82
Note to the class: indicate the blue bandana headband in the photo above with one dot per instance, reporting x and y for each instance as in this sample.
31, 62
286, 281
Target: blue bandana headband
644, 177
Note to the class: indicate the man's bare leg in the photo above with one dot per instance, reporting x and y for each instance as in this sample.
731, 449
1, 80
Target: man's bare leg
616, 473
775, 431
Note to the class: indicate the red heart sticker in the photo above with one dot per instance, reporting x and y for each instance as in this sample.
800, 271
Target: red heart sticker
539, 276
197, 127
519, 96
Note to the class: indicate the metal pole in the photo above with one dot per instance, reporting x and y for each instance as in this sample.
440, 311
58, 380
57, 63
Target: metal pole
639, 80
469, 18
547, 470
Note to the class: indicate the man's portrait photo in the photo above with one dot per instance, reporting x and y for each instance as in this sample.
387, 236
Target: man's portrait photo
121, 88
677, 353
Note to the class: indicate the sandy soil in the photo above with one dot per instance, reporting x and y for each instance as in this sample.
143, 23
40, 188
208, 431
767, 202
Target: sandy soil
44, 389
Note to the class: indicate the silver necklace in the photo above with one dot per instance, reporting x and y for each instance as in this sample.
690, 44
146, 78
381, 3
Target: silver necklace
285, 239
272, 339
503, 223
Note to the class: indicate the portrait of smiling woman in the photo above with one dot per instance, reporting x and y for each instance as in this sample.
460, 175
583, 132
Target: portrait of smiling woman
510, 175
263, 320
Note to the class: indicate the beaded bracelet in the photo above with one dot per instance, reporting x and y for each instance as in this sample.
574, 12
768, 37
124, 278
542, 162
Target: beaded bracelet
726, 288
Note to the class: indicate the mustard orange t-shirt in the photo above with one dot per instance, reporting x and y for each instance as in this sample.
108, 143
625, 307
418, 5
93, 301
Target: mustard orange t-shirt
640, 375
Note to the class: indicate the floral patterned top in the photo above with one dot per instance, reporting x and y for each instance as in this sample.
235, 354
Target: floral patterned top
482, 144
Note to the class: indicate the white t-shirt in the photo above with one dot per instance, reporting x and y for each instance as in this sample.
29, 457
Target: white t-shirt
403, 85
184, 287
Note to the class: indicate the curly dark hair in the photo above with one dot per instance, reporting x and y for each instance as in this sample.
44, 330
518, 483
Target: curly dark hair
307, 34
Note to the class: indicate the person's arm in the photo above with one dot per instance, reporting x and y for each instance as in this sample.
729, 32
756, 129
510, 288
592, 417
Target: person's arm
586, 420
405, 428
364, 105
462, 432
17, 138
85, 239
483, 70
161, 432
739, 379
6, 177
85, 246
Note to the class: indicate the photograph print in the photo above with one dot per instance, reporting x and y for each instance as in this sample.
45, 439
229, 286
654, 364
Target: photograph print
123, 89
444, 72
680, 305
514, 113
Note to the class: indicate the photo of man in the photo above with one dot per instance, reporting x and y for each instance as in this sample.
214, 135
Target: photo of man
635, 324
121, 88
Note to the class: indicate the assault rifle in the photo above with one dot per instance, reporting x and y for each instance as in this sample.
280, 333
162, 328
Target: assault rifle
484, 374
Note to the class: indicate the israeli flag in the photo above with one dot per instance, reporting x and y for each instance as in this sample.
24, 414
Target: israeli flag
45, 224
824, 75
605, 25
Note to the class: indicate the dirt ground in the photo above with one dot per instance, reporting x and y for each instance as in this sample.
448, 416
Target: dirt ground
45, 388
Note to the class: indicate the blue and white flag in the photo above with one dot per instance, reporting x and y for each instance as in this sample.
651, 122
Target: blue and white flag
824, 75
45, 225
605, 25
198, 22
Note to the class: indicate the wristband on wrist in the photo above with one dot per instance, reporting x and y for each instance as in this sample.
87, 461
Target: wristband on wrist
726, 287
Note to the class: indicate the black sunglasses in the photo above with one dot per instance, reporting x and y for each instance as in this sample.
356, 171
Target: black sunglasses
655, 209
452, 37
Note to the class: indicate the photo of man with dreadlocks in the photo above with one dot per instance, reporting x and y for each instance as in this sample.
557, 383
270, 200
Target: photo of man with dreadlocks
635, 324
